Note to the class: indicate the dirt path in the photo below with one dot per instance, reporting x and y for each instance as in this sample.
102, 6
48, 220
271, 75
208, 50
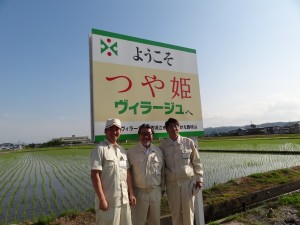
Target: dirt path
261, 215
267, 215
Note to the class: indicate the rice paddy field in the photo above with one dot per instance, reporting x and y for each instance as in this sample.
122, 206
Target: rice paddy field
283, 143
48, 182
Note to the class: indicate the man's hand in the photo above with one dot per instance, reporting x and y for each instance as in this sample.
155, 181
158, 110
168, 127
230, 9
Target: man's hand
103, 205
199, 184
132, 200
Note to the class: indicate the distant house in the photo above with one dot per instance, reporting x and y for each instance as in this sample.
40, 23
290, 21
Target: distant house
273, 130
241, 131
256, 130
74, 140
295, 128
6, 146
284, 130
18, 147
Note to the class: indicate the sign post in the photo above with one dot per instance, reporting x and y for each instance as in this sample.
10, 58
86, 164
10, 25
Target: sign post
199, 210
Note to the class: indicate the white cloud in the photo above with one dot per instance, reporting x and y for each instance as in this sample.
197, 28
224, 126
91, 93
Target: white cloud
277, 107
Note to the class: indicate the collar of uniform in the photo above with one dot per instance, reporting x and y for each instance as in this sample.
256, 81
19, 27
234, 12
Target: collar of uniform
111, 144
177, 141
145, 149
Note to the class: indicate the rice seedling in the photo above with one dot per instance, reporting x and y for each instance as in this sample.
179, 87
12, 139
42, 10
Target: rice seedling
51, 181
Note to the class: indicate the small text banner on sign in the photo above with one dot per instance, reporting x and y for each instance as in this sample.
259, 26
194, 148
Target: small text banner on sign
141, 81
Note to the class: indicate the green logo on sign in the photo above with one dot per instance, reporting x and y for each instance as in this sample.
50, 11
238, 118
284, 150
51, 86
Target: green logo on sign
105, 48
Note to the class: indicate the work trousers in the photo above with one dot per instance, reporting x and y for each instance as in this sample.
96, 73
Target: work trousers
119, 215
147, 207
181, 202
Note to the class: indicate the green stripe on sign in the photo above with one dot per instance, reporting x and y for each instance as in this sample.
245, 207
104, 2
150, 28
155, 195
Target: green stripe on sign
143, 41
123, 137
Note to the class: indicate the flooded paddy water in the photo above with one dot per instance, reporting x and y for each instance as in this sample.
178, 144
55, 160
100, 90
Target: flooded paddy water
50, 182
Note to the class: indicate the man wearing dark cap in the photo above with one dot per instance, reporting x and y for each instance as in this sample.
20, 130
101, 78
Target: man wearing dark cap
111, 179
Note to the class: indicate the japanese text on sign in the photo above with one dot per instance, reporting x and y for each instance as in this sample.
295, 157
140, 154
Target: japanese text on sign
157, 57
159, 127
180, 86
147, 107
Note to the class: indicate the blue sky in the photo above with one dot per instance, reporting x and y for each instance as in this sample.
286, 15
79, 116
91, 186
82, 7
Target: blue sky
248, 59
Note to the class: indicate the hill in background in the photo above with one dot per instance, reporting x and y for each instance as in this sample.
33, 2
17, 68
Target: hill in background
224, 129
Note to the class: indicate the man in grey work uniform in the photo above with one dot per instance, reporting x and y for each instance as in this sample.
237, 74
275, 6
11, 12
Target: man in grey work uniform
111, 179
184, 173
146, 164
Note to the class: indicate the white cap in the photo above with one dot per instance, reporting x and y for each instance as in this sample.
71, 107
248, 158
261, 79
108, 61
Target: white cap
113, 122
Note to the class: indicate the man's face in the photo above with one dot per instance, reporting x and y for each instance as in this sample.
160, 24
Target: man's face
146, 137
112, 134
173, 130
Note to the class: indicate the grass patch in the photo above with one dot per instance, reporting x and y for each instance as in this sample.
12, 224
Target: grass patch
70, 213
293, 199
44, 220
277, 177
256, 182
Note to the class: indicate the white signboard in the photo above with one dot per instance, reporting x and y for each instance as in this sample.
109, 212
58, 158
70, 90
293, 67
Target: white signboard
141, 81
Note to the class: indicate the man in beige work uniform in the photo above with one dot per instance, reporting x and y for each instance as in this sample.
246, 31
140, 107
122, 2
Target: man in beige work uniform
183, 171
146, 164
111, 179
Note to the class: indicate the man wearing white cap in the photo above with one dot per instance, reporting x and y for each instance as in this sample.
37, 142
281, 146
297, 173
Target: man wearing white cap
111, 179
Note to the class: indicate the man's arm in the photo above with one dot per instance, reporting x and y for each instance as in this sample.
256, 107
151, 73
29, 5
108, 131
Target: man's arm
163, 176
96, 180
132, 198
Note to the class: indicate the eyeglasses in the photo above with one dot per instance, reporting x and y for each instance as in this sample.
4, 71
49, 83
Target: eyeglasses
146, 133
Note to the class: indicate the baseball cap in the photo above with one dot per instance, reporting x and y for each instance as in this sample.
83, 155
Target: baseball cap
113, 122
